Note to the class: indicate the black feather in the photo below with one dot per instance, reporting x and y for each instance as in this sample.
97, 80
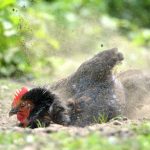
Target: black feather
42, 99
40, 96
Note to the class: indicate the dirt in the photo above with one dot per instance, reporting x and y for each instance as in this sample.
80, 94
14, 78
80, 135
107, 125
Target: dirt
115, 127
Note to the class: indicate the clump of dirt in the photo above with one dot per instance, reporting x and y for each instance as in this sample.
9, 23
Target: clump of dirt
119, 127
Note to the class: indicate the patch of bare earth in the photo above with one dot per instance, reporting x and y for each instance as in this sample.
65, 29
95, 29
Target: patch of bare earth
115, 127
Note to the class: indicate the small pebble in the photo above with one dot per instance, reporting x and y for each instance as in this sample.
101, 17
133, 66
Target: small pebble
101, 129
112, 140
117, 122
125, 118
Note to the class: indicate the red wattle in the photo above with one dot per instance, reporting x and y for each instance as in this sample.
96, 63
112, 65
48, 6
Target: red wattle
22, 116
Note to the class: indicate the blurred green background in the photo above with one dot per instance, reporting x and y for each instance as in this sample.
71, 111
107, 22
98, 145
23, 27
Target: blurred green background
51, 38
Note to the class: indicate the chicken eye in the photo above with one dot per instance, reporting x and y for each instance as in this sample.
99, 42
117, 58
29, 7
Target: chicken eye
29, 105
22, 104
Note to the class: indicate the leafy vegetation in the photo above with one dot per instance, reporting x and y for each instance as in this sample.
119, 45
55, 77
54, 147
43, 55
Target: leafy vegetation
39, 36
12, 60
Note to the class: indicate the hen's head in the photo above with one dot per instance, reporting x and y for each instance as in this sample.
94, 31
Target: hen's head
31, 104
20, 106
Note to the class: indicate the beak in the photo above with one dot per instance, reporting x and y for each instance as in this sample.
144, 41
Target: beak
13, 111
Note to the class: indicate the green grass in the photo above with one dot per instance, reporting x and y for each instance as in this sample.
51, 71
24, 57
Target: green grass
64, 141
102, 118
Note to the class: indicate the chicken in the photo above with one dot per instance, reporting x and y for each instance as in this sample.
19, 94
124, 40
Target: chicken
37, 108
84, 96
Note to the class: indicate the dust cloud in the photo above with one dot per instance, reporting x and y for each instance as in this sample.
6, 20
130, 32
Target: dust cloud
136, 85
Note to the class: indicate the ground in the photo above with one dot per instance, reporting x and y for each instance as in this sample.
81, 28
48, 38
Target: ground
119, 133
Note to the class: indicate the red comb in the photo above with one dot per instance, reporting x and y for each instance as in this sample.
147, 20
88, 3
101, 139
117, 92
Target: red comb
18, 95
